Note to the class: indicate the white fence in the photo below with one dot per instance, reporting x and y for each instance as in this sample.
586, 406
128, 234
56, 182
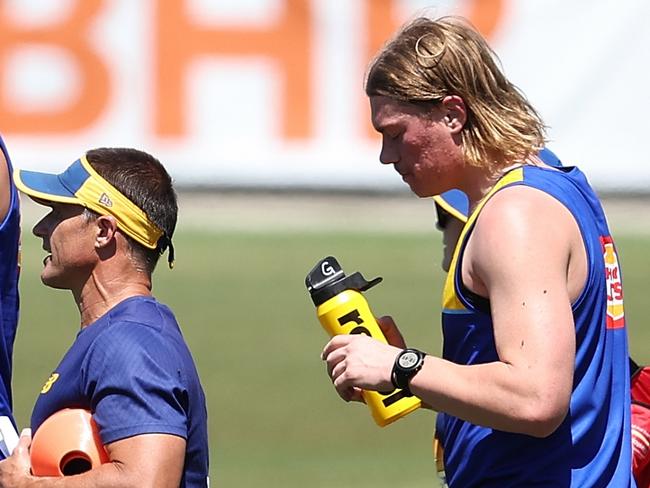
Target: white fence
269, 92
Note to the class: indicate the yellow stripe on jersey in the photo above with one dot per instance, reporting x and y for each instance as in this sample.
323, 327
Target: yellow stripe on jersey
450, 300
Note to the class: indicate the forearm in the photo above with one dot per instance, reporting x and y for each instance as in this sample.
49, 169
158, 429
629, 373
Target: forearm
496, 395
109, 475
143, 461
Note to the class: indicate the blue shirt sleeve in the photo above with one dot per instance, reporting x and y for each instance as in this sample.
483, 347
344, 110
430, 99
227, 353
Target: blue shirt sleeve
132, 376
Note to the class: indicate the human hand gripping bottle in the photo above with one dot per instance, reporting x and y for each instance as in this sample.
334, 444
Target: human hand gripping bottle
342, 309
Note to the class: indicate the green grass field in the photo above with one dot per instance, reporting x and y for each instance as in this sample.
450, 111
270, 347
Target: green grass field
275, 420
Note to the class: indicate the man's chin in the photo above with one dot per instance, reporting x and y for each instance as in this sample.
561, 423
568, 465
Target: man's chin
422, 192
52, 282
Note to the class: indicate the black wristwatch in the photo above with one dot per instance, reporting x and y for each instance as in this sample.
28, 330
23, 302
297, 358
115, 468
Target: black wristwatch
407, 364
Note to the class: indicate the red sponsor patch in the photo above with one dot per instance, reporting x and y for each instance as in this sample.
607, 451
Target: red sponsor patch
615, 311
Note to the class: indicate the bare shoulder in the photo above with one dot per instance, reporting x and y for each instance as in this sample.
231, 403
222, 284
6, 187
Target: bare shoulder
521, 232
5, 187
521, 214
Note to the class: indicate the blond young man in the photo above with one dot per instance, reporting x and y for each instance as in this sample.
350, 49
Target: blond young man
532, 388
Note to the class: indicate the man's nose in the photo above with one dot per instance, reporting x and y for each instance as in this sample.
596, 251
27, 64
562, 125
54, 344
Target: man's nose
40, 229
388, 155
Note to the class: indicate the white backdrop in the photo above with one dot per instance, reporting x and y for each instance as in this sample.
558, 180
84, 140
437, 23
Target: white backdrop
220, 105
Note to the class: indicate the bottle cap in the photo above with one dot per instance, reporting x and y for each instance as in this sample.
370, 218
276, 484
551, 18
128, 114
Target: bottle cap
327, 279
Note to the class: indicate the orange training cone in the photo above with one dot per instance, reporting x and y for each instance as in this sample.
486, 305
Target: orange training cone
67, 443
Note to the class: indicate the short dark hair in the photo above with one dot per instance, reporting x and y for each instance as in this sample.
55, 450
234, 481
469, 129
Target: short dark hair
142, 179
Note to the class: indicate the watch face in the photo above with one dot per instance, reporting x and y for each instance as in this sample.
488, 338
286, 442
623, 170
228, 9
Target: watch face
408, 360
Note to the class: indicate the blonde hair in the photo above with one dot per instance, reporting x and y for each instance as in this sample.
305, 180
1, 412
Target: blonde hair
430, 59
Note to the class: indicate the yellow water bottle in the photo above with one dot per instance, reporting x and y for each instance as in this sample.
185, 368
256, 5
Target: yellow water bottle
342, 309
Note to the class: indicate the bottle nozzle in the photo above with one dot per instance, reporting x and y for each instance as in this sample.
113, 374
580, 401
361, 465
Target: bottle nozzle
326, 271
327, 279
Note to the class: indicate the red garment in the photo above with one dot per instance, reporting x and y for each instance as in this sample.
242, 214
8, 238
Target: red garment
641, 444
640, 389
640, 384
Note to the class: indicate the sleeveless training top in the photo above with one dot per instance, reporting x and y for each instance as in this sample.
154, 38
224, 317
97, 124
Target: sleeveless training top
592, 446
9, 270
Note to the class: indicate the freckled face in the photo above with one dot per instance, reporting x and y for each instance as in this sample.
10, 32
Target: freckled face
419, 144
69, 238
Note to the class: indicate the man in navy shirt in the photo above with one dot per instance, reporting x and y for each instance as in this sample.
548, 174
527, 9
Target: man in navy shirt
113, 213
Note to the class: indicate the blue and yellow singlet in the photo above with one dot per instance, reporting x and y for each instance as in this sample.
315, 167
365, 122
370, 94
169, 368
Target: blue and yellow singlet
592, 446
9, 302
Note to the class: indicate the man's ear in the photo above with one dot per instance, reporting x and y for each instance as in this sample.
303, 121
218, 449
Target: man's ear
455, 113
106, 228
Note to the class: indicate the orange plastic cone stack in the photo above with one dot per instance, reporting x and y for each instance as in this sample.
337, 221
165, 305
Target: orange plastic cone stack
67, 443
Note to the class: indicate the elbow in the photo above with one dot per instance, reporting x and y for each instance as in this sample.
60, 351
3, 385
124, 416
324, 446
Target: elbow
546, 426
542, 419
